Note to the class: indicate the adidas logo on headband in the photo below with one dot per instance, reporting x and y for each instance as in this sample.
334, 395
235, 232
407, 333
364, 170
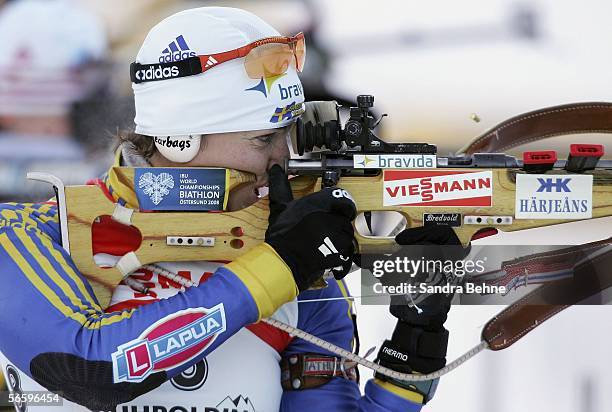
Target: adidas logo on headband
176, 50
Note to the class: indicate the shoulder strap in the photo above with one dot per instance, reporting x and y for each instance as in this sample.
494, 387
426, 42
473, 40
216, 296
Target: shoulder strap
574, 118
591, 276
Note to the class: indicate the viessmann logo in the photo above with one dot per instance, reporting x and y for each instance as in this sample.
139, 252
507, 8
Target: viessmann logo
437, 188
168, 343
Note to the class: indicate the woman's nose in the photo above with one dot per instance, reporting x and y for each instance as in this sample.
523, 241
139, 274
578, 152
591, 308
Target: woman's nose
279, 154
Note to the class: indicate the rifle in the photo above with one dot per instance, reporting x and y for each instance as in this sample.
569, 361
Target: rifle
476, 191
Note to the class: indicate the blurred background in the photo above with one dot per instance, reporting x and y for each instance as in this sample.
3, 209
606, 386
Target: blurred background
444, 72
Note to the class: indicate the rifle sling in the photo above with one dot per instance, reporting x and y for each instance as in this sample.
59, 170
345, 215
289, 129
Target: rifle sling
574, 118
590, 278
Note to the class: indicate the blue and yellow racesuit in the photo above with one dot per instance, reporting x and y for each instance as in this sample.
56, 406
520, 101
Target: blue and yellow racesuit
53, 328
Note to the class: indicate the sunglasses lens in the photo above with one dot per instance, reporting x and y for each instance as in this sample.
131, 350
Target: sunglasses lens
300, 54
269, 60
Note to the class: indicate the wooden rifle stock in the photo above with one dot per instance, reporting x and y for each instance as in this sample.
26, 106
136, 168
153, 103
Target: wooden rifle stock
236, 232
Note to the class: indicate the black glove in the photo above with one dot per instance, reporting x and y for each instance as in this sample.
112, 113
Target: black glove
313, 233
431, 242
419, 341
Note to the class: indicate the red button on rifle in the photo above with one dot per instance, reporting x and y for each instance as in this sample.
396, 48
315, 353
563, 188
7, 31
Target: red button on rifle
540, 161
237, 231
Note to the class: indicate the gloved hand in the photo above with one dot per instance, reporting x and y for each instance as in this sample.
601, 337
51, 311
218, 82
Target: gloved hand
313, 233
431, 243
419, 341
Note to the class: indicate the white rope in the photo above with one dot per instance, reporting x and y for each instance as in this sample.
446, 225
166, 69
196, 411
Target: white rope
187, 283
371, 365
336, 349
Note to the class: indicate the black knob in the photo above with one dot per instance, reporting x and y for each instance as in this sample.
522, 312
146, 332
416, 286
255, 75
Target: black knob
365, 101
352, 132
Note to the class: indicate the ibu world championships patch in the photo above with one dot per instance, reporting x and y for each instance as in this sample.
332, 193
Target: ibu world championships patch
177, 189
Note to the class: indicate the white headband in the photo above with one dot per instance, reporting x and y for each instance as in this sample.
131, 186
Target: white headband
221, 100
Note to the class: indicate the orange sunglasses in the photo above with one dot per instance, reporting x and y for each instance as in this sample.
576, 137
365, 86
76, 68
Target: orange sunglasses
267, 57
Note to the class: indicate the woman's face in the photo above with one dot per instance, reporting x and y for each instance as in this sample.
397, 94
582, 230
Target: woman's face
254, 152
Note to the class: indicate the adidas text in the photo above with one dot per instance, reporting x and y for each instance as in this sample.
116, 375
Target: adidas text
176, 56
176, 50
156, 73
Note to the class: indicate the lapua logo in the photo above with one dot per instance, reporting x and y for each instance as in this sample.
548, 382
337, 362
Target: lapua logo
168, 343
437, 188
181, 144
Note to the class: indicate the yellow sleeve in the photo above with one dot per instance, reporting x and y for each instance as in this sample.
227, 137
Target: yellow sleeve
404, 393
266, 276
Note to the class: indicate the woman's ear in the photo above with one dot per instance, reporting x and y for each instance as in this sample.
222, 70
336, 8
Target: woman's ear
178, 149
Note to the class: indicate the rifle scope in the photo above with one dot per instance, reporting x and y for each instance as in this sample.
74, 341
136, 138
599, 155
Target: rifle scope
320, 128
